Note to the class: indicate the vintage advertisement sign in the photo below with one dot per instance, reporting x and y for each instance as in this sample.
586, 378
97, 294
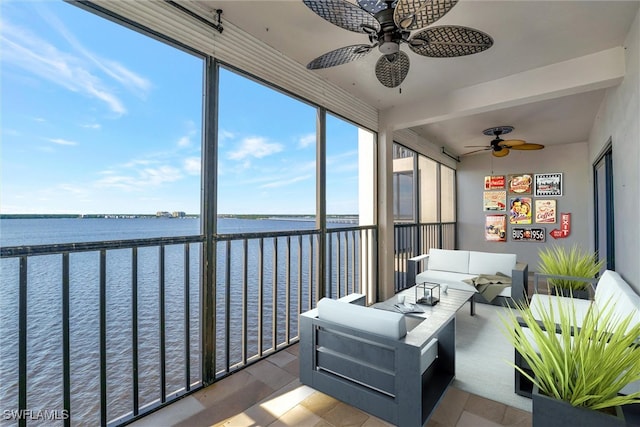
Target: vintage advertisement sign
494, 182
545, 211
527, 234
495, 201
520, 184
520, 210
565, 227
548, 184
495, 228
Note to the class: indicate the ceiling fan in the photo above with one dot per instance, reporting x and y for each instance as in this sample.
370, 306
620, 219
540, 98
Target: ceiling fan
389, 24
500, 147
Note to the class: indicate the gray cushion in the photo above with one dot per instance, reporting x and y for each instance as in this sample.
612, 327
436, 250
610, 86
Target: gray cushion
381, 322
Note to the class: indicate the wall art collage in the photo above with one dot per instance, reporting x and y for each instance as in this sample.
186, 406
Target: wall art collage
525, 200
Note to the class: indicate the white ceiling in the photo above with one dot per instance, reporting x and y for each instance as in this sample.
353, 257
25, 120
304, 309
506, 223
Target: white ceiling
527, 35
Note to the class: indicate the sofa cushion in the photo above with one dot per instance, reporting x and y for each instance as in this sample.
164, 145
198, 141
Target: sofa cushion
381, 322
613, 287
453, 280
448, 260
491, 263
543, 303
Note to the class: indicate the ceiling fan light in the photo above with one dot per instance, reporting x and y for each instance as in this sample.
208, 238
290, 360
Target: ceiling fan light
389, 48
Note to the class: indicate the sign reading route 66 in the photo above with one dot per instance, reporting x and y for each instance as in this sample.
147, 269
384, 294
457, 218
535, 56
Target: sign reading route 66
519, 234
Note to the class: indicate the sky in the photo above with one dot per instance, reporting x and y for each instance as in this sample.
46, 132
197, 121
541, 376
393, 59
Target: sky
97, 118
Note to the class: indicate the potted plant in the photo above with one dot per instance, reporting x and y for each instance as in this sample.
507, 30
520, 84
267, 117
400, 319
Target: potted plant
575, 262
578, 370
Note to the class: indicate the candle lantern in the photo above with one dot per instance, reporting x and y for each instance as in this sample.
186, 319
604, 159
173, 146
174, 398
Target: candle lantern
427, 293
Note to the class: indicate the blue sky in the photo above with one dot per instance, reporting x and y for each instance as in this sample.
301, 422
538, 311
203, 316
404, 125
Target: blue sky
96, 118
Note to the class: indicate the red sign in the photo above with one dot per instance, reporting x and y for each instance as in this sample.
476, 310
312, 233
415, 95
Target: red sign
565, 227
494, 182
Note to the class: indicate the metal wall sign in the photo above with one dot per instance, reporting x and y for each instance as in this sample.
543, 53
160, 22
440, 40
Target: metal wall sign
528, 234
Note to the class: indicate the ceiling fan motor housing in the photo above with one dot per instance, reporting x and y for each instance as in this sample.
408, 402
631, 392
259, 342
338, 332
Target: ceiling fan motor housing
388, 37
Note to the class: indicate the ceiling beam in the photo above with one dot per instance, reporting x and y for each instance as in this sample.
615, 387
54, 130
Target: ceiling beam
586, 73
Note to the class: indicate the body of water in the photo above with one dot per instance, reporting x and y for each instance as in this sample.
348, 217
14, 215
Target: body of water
44, 308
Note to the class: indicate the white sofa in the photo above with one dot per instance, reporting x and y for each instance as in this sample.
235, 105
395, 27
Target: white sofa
610, 288
451, 267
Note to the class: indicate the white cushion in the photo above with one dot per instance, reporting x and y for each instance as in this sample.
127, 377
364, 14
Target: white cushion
491, 263
612, 286
541, 303
381, 322
448, 260
453, 281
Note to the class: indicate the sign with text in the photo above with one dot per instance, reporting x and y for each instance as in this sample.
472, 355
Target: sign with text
494, 182
565, 227
520, 184
548, 184
495, 228
527, 234
495, 200
545, 211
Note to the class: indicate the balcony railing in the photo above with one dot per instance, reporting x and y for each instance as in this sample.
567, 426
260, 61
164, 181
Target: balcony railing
416, 239
108, 331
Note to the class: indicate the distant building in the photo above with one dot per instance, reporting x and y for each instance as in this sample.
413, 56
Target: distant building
178, 214
163, 214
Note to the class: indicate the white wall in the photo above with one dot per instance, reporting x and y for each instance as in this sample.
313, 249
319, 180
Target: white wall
570, 159
619, 119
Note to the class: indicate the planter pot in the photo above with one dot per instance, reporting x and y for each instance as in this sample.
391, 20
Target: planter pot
578, 294
550, 412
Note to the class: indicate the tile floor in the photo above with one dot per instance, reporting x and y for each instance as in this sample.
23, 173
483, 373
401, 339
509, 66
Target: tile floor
269, 393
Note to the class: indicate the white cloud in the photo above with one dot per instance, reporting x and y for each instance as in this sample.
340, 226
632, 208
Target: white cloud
138, 162
343, 162
114, 69
61, 141
71, 70
224, 135
307, 140
257, 147
192, 165
141, 180
185, 141
92, 126
285, 182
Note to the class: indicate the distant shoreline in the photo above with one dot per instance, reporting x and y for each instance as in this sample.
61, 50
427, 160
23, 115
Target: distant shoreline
134, 216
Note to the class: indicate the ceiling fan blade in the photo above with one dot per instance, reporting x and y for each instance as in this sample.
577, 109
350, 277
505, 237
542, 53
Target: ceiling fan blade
476, 151
339, 56
528, 146
500, 153
416, 14
450, 41
343, 14
474, 146
510, 143
392, 69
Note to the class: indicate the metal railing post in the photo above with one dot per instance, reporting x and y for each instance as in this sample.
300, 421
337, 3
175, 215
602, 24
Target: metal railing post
208, 226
